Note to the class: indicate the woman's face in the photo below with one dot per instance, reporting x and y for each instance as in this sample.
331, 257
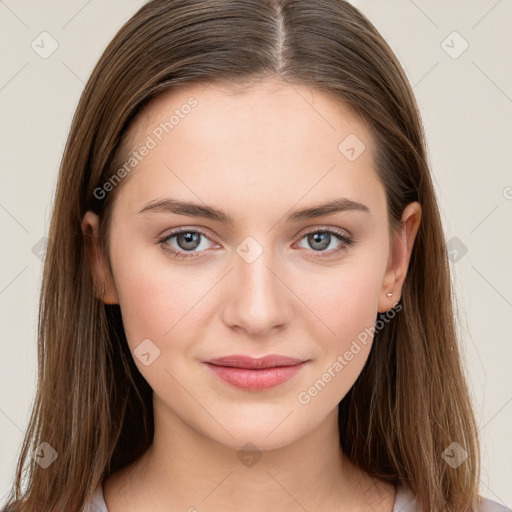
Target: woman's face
259, 268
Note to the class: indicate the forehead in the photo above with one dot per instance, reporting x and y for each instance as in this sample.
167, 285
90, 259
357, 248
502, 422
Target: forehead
274, 139
268, 104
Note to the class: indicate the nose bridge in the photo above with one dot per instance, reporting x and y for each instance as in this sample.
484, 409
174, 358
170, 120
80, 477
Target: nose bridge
258, 299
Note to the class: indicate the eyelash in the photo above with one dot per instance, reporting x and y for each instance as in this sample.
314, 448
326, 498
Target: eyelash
339, 235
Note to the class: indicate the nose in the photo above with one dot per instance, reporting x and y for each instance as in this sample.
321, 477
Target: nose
259, 300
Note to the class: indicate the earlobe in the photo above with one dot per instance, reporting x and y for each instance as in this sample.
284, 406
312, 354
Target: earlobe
400, 255
104, 287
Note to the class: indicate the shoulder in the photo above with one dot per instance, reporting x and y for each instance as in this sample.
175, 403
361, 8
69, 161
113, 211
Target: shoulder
488, 505
406, 502
97, 503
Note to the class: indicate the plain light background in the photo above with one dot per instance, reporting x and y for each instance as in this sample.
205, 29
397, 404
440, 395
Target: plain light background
457, 56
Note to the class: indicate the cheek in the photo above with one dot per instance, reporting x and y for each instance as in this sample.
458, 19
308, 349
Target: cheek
345, 303
144, 294
155, 302
345, 299
161, 301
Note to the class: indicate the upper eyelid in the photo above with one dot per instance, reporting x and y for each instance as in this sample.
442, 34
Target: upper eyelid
178, 231
314, 229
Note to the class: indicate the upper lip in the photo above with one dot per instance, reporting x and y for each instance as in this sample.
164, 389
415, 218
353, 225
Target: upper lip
242, 361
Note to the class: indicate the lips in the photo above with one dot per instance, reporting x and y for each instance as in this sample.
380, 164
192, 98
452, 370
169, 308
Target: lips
241, 361
255, 374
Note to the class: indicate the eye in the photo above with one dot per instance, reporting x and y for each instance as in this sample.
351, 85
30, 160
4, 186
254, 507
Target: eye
187, 240
321, 239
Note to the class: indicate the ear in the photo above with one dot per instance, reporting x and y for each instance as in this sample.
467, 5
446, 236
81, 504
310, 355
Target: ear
103, 281
399, 257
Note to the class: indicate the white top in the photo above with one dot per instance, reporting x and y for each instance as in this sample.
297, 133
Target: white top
405, 501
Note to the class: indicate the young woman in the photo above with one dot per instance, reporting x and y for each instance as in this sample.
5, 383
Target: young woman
246, 301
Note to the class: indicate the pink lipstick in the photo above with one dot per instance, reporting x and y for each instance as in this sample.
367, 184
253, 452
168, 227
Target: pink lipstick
255, 374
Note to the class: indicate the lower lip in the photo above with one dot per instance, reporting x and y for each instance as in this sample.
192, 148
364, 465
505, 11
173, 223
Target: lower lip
255, 380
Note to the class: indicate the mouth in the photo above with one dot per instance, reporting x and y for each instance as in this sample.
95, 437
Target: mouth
255, 374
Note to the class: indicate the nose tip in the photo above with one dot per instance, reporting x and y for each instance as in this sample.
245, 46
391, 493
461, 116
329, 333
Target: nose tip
257, 298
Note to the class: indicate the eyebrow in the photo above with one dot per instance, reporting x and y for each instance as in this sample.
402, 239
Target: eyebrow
168, 205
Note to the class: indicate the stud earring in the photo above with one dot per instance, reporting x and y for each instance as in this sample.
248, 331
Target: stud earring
389, 295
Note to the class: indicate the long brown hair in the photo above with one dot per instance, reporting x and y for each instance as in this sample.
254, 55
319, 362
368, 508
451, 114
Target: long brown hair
93, 407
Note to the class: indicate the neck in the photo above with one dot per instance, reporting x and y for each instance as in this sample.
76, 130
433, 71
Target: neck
184, 470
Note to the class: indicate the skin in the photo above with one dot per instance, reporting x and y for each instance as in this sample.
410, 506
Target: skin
256, 153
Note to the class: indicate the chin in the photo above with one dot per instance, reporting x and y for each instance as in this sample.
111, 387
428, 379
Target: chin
265, 432
257, 440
